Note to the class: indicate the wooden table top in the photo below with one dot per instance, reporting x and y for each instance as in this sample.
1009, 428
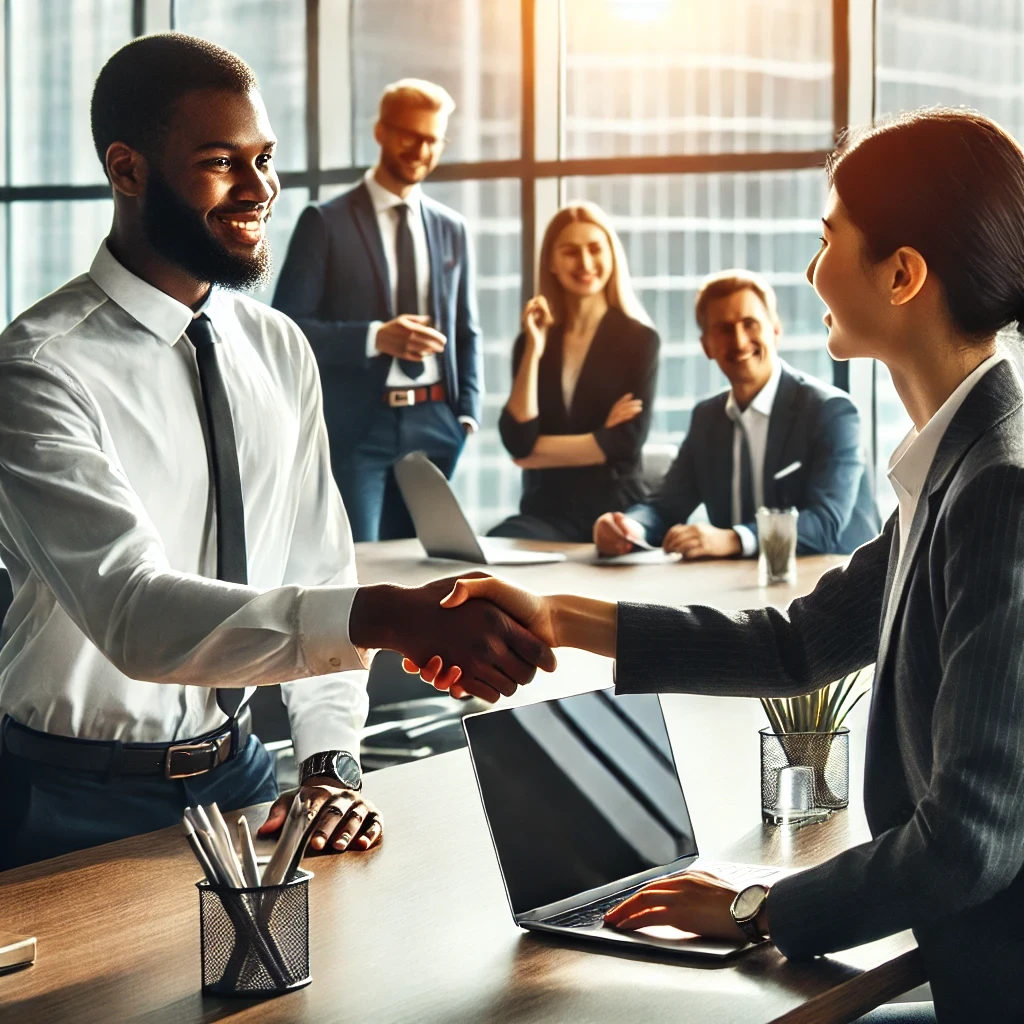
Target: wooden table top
419, 929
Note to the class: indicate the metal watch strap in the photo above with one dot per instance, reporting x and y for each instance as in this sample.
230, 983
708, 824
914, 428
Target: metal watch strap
323, 763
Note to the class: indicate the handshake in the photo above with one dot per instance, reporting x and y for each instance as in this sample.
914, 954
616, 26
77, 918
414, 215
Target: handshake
471, 635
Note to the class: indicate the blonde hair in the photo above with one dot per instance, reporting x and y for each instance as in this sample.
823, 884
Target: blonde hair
417, 93
619, 290
728, 282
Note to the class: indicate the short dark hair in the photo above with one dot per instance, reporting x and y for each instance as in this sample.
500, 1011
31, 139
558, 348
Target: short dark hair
950, 184
135, 93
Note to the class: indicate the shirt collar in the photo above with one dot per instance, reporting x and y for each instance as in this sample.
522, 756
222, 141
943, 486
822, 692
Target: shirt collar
155, 310
383, 200
762, 402
912, 459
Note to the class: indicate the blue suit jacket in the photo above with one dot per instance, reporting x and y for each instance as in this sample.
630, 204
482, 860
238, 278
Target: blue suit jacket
334, 282
811, 423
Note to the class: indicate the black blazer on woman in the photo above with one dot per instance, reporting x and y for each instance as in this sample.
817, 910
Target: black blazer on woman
623, 356
944, 771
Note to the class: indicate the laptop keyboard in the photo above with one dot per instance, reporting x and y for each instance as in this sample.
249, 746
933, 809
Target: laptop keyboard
592, 913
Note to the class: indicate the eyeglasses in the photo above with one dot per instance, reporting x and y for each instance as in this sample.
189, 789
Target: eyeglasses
408, 139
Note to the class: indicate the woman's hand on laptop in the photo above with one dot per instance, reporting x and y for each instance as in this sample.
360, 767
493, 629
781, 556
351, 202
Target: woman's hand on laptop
695, 901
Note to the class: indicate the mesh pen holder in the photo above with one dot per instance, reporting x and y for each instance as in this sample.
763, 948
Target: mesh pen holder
803, 773
255, 942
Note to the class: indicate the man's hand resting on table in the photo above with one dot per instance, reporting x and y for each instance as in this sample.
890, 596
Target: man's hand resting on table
345, 820
493, 653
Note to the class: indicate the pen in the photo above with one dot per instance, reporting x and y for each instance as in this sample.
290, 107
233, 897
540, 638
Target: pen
635, 541
225, 836
791, 468
293, 835
250, 870
200, 853
223, 860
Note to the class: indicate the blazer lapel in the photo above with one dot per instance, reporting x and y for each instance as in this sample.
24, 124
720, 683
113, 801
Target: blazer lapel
784, 414
435, 247
720, 470
365, 217
992, 399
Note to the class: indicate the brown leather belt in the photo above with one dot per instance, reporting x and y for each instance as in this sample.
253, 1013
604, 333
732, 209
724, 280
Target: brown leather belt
172, 760
399, 398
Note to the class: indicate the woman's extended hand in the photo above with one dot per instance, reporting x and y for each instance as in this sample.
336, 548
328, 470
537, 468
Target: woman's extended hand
695, 901
531, 611
537, 319
625, 409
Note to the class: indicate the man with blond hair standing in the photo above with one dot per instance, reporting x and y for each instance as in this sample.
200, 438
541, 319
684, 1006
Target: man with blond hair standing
380, 280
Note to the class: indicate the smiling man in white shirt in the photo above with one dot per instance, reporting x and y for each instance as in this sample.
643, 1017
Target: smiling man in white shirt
167, 511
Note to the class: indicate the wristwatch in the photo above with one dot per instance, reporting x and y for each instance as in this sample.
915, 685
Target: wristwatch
745, 908
333, 764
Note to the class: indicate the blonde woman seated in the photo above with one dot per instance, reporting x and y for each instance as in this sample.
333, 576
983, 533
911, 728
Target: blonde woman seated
584, 373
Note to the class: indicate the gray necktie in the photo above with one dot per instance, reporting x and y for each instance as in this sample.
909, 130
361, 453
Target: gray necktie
747, 509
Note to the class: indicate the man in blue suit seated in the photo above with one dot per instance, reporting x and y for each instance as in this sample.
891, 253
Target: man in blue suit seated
380, 281
777, 438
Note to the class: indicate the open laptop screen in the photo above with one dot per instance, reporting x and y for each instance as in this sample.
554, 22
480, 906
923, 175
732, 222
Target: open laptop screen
579, 792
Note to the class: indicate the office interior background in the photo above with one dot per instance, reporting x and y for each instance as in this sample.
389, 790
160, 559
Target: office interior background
700, 127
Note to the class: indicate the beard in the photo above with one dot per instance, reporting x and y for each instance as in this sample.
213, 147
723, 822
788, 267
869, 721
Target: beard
180, 235
397, 170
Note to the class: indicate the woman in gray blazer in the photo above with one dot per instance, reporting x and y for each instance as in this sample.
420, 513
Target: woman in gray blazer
921, 263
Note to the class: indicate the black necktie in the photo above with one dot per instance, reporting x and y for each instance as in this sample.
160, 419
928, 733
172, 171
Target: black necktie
407, 293
227, 484
747, 509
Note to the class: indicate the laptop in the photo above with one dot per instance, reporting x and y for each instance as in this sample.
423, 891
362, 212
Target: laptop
584, 806
442, 526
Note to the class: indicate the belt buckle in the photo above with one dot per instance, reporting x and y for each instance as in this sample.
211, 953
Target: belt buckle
402, 398
186, 752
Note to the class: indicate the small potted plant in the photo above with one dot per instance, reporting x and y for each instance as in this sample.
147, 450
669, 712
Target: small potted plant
805, 752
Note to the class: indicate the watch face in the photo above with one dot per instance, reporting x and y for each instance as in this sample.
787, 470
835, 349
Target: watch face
748, 902
347, 771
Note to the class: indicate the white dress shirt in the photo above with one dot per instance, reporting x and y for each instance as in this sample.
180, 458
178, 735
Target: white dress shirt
910, 462
117, 630
386, 204
754, 422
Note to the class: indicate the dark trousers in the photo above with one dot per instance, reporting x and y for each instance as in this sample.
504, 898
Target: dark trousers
526, 527
363, 471
49, 811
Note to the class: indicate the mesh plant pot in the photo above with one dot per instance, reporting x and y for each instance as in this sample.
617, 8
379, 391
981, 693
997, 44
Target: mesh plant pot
803, 773
255, 942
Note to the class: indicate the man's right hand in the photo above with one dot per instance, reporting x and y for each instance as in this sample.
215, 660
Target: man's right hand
495, 654
615, 532
409, 337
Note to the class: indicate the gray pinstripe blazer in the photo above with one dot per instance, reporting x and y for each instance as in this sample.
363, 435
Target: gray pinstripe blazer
944, 777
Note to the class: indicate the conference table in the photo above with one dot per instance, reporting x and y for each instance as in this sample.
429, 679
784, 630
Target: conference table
419, 929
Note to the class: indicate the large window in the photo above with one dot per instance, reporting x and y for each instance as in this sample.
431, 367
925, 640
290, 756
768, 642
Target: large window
701, 128
950, 53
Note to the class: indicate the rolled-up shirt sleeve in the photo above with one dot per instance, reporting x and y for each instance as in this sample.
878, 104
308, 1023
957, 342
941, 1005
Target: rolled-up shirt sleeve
68, 508
518, 438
